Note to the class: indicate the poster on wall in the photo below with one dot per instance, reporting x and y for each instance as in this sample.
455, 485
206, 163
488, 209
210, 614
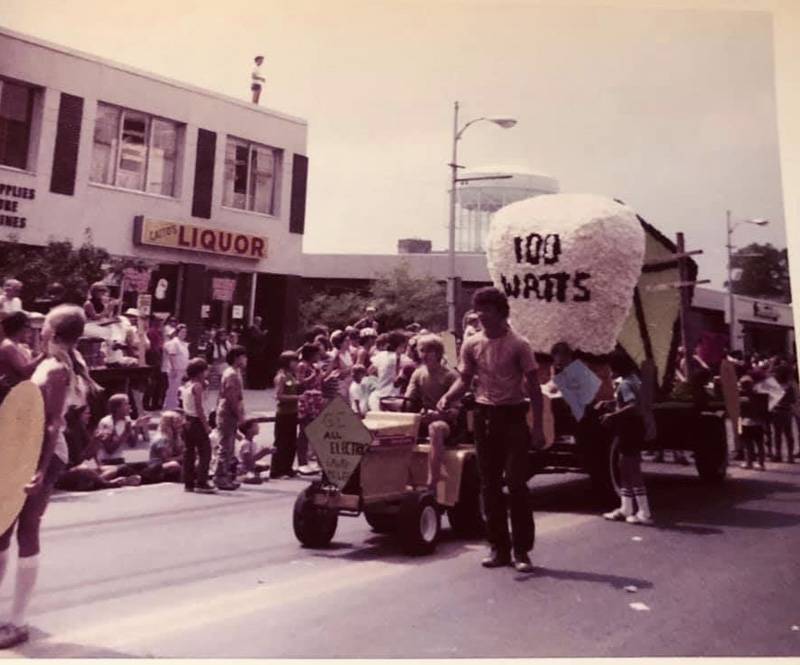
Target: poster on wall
205, 311
163, 287
238, 311
222, 288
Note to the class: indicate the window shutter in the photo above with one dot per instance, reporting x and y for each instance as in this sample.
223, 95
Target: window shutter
65, 154
297, 215
204, 173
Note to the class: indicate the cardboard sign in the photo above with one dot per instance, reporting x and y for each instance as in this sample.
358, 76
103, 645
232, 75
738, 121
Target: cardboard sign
144, 303
222, 288
730, 393
769, 387
450, 349
578, 385
21, 428
340, 440
136, 280
548, 420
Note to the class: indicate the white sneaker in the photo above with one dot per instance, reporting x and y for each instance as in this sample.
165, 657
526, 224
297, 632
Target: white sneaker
639, 518
616, 515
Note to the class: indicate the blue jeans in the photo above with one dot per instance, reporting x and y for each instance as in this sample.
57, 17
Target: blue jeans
225, 451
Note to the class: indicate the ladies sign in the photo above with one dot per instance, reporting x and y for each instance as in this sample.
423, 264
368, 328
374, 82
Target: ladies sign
568, 264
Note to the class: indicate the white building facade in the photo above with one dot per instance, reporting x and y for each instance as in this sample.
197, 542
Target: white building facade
208, 190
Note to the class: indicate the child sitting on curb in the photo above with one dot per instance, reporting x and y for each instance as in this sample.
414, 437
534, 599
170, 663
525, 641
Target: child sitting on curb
250, 452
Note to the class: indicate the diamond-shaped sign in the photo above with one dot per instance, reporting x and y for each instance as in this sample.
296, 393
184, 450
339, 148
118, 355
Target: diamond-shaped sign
340, 440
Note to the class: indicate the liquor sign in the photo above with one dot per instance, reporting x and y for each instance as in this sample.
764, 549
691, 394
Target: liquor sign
176, 235
340, 440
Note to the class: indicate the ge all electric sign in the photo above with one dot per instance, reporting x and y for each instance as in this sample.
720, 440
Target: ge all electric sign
176, 235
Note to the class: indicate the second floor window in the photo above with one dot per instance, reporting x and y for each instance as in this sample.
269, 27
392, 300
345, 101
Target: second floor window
134, 150
16, 109
251, 176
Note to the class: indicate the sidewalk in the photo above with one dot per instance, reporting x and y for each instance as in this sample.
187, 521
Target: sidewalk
256, 403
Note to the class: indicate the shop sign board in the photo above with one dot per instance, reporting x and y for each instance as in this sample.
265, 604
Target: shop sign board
177, 235
144, 303
222, 288
340, 440
764, 310
13, 200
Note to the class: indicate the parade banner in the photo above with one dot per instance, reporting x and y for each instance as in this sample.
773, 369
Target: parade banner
340, 440
21, 431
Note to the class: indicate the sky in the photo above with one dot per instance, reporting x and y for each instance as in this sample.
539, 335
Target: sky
672, 110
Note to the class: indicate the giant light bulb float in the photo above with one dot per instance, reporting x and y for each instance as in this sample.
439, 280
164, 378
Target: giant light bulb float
569, 264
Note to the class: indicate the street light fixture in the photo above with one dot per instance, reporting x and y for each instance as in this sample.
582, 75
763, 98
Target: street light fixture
757, 221
500, 121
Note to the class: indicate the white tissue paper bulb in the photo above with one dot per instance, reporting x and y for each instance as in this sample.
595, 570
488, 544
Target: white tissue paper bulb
569, 264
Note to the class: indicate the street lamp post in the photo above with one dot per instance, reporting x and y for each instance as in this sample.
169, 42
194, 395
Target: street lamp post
503, 122
730, 229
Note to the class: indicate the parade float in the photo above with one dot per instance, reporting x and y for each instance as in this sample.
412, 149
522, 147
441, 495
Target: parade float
588, 272
581, 271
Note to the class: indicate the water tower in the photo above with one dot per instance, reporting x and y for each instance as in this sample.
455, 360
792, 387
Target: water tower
483, 192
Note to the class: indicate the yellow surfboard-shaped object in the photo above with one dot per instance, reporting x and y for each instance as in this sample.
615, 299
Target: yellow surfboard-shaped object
730, 392
548, 421
21, 434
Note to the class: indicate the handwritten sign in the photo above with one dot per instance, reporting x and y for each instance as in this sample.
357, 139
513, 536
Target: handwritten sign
340, 440
578, 385
144, 303
450, 348
223, 288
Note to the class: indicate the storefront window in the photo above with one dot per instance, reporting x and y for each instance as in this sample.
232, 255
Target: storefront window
16, 106
133, 150
251, 172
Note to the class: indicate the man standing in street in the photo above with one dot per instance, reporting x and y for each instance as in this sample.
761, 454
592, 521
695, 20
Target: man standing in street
504, 365
255, 341
230, 414
257, 79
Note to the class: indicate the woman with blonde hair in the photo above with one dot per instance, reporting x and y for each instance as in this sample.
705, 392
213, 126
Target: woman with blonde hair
64, 381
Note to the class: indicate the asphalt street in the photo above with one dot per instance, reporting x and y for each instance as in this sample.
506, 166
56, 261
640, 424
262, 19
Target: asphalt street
153, 571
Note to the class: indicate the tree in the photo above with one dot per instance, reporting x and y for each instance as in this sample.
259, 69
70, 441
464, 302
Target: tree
763, 272
59, 261
402, 298
399, 297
